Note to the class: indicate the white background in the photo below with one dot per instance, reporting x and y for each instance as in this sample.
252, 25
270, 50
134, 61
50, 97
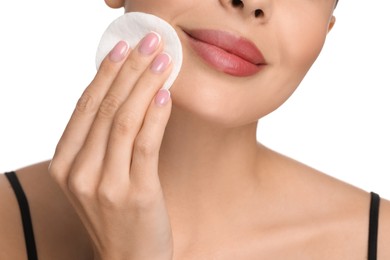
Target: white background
337, 121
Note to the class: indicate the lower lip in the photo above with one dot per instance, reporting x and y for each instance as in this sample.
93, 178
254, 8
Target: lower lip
224, 61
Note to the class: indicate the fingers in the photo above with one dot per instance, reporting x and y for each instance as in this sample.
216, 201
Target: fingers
84, 114
94, 148
128, 76
80, 122
136, 112
115, 116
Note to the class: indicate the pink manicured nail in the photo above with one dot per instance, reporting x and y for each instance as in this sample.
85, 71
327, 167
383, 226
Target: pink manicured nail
162, 97
161, 62
119, 51
149, 43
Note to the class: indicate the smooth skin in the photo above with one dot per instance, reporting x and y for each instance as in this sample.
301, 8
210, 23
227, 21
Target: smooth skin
138, 176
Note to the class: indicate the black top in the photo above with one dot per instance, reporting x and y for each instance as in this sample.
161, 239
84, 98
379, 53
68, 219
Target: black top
30, 241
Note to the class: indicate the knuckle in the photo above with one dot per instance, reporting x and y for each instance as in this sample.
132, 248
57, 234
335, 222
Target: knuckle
56, 171
144, 146
108, 197
109, 106
124, 123
81, 187
134, 65
86, 103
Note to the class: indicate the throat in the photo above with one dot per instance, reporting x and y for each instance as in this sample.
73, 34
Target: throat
200, 162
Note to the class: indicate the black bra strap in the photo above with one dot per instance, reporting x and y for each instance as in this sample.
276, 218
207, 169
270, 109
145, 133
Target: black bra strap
26, 216
373, 228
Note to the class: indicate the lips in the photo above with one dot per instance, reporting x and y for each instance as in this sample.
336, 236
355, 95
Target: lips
225, 52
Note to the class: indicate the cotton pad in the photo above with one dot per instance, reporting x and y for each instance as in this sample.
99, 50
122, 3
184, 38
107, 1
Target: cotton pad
132, 27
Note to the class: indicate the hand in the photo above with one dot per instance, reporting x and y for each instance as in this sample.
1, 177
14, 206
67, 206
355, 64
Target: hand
106, 161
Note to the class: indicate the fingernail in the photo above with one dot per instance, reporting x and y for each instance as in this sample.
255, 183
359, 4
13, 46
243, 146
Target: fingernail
162, 97
149, 43
160, 63
119, 51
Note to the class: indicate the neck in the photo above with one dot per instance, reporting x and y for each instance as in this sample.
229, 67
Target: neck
200, 159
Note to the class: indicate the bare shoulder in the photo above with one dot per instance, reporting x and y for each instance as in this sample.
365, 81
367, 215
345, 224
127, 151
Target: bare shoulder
338, 211
58, 231
384, 230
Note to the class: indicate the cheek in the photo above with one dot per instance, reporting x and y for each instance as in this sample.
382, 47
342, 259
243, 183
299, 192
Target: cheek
299, 46
296, 51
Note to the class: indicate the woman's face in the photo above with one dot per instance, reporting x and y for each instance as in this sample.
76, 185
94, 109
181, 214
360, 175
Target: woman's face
289, 34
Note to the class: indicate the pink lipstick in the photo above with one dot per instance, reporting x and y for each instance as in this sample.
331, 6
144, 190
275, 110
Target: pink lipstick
225, 52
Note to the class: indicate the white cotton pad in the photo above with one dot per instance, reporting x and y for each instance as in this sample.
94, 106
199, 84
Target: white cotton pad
132, 27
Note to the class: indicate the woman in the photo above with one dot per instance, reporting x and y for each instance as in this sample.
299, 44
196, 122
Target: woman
138, 176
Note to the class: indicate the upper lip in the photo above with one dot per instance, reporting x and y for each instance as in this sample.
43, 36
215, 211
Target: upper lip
231, 43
